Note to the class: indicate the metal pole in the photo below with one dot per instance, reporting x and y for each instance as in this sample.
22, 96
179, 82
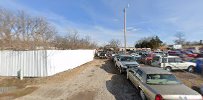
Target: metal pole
125, 29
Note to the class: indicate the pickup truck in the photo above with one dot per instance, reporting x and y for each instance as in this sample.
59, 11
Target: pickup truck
124, 62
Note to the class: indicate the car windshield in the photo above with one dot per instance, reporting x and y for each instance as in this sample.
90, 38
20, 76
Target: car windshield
128, 58
161, 79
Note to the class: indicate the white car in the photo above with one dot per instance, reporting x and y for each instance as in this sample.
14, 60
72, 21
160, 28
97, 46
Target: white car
172, 63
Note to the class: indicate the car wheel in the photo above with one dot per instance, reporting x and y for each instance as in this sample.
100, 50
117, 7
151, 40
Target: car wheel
142, 95
168, 69
191, 69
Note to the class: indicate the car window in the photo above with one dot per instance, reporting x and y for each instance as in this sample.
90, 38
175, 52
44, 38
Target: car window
178, 60
160, 79
139, 74
127, 58
171, 60
164, 60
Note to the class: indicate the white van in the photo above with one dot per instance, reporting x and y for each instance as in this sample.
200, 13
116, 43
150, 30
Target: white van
172, 63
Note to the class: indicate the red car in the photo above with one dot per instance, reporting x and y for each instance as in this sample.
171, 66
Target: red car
190, 54
147, 59
199, 55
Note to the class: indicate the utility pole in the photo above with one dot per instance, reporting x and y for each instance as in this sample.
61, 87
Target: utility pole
125, 29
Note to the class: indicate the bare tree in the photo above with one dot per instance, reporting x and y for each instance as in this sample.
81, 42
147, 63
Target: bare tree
20, 31
74, 41
114, 43
180, 38
6, 23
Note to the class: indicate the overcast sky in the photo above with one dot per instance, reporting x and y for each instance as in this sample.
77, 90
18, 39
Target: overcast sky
103, 19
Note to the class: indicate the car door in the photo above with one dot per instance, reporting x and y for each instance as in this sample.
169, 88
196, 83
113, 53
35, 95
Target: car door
141, 82
180, 64
172, 63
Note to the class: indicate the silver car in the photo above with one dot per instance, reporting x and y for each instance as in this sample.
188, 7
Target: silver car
158, 84
124, 62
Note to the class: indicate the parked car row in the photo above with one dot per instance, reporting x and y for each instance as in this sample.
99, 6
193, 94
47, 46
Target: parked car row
171, 60
104, 54
153, 83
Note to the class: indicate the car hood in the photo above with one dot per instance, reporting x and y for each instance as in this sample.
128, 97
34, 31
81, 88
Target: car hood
129, 63
177, 89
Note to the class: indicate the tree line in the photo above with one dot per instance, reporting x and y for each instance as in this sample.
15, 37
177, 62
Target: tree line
20, 31
149, 42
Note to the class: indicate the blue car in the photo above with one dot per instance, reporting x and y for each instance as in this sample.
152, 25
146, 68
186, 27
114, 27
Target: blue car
199, 66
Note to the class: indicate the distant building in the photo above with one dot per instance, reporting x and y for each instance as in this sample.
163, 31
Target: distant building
133, 48
175, 46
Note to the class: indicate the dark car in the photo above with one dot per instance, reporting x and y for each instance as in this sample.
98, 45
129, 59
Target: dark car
102, 55
175, 53
189, 53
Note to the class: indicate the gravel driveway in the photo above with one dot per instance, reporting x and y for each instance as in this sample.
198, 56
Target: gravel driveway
98, 81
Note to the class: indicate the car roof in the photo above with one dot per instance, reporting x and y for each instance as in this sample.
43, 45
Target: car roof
153, 70
172, 57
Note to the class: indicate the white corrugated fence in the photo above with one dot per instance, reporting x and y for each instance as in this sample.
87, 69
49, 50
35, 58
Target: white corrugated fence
41, 63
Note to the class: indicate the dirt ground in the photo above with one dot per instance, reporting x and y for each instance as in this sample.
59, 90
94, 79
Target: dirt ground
192, 80
96, 80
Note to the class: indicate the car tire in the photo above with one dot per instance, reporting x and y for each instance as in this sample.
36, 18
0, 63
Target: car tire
190, 69
142, 95
168, 68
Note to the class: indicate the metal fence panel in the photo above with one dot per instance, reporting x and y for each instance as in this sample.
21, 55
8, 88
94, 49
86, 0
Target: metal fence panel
31, 63
41, 63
